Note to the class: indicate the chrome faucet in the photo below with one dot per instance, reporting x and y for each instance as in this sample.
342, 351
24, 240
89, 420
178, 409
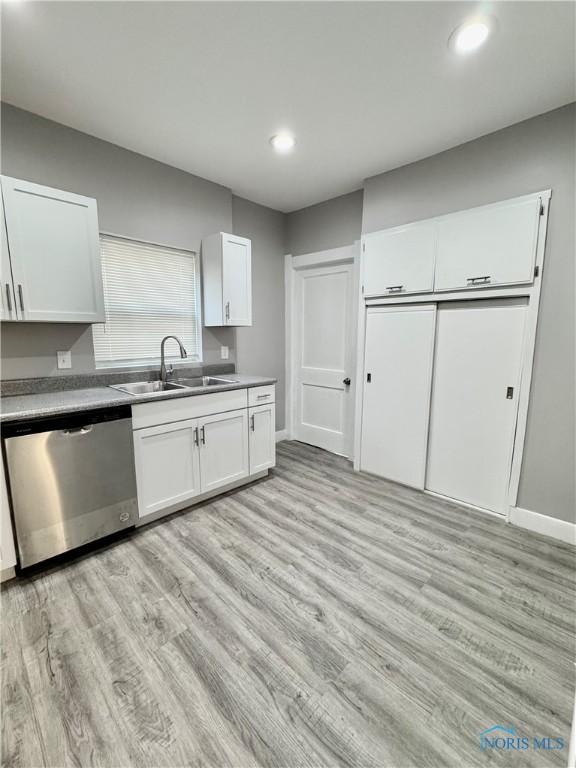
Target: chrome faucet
162, 363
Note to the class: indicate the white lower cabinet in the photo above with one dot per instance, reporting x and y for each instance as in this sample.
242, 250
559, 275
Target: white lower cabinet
167, 460
179, 458
7, 548
223, 449
262, 437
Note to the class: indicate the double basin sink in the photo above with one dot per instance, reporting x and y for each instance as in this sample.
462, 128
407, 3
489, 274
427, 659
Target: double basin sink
149, 387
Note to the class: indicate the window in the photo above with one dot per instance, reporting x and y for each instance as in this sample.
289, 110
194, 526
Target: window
150, 291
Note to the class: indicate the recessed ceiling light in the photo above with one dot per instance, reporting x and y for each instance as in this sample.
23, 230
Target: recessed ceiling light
471, 35
283, 142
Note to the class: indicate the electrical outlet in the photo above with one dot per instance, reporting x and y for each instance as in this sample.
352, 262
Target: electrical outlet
64, 359
224, 353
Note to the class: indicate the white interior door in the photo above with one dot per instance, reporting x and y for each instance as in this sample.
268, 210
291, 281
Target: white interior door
397, 382
475, 401
322, 330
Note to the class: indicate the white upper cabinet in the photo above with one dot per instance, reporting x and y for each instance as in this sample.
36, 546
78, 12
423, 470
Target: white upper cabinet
399, 260
227, 280
54, 253
492, 245
8, 309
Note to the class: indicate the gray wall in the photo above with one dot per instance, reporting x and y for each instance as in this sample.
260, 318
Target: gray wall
137, 197
326, 225
527, 157
260, 347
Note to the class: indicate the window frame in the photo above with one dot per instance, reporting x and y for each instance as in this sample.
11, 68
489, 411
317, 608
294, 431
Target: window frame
176, 361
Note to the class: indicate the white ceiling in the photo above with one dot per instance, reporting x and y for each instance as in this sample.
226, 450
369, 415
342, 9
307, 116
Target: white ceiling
365, 86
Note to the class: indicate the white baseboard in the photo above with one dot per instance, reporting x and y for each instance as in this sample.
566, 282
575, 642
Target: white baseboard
281, 434
7, 574
549, 526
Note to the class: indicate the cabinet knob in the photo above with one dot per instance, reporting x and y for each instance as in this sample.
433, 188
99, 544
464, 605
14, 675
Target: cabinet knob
346, 381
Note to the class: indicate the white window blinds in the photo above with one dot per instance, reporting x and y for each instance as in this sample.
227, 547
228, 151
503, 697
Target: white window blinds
150, 291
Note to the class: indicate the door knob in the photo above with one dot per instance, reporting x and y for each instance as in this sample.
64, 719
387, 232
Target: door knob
346, 381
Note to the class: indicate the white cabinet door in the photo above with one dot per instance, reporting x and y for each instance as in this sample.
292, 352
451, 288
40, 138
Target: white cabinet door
167, 465
236, 280
223, 448
7, 549
397, 381
227, 280
475, 401
262, 424
8, 309
492, 245
55, 253
399, 260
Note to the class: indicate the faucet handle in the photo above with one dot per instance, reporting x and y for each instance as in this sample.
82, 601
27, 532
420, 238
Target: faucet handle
169, 371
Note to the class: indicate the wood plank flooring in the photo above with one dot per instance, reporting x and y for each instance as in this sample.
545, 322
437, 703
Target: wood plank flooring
316, 618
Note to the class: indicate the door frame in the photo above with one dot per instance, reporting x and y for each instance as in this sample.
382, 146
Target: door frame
531, 292
348, 254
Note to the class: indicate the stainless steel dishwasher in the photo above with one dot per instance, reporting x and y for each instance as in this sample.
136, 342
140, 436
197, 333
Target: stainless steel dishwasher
71, 480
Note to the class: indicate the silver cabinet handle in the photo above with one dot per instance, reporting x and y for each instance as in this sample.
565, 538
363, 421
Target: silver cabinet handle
203, 433
196, 441
21, 295
394, 288
478, 280
262, 397
8, 297
252, 422
227, 310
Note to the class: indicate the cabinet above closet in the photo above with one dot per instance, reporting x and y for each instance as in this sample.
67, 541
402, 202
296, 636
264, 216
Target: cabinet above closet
51, 269
493, 245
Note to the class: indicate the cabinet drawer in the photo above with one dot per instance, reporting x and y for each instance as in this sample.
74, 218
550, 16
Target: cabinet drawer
492, 245
261, 395
180, 408
399, 260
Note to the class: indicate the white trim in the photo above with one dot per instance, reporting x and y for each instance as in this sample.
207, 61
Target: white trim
289, 353
320, 258
548, 526
7, 574
281, 434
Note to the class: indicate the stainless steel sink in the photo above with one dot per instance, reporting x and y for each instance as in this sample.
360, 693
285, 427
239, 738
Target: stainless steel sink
205, 381
147, 387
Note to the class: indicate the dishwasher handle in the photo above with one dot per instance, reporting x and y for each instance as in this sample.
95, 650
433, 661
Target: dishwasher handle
79, 430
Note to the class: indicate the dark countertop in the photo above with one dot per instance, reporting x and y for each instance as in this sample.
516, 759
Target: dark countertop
24, 407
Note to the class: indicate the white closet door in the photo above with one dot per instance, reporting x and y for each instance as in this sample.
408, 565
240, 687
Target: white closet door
475, 401
397, 381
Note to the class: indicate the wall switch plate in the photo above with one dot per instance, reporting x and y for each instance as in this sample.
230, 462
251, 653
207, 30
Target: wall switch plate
64, 359
224, 353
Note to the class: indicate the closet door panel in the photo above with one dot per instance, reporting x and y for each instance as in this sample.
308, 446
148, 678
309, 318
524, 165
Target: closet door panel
475, 401
397, 381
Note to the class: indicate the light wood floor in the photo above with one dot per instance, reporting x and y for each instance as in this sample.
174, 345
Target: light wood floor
317, 618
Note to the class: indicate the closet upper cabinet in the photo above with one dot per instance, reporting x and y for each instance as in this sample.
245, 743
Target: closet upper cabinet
399, 260
491, 245
54, 251
227, 278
